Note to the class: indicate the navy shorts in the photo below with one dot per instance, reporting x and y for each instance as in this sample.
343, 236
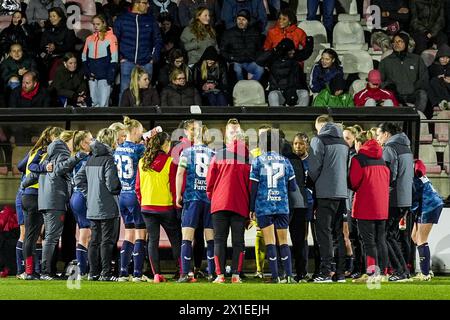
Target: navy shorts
130, 210
79, 209
19, 211
430, 217
193, 211
281, 221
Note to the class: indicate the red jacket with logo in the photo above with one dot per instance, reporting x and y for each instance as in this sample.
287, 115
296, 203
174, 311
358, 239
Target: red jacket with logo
376, 94
228, 180
369, 178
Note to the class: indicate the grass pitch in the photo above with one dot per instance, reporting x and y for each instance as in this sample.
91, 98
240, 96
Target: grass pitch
251, 289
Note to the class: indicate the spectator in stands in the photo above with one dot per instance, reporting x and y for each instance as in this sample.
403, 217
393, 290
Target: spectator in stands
170, 34
210, 78
140, 93
327, 8
30, 94
114, 8
405, 74
328, 169
393, 12
164, 7
256, 8
427, 23
399, 158
100, 58
69, 83
325, 70
228, 188
139, 41
56, 39
333, 95
240, 46
373, 95
15, 66
17, 32
285, 83
441, 62
286, 27
439, 92
198, 36
187, 9
178, 93
38, 11
177, 60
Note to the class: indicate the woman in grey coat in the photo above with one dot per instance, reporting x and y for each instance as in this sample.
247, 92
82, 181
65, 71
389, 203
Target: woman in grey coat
198, 36
100, 180
54, 194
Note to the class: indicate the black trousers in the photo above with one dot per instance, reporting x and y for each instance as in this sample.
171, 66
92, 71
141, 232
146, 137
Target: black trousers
396, 258
103, 240
423, 43
298, 229
168, 220
329, 225
439, 90
374, 240
358, 252
33, 223
222, 222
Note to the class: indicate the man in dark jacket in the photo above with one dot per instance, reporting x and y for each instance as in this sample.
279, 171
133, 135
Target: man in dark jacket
427, 23
328, 170
399, 158
405, 73
439, 73
30, 94
392, 12
139, 40
240, 46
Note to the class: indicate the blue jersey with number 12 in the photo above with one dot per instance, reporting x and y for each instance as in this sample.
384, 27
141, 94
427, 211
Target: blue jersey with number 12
273, 172
196, 161
127, 157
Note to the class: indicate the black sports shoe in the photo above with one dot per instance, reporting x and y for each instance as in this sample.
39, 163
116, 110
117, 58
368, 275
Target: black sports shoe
321, 278
339, 278
404, 277
33, 276
356, 275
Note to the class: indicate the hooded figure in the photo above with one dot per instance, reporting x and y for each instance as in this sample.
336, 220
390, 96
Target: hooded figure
441, 62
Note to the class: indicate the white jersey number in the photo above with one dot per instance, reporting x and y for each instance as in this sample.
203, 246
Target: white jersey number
125, 163
274, 172
201, 164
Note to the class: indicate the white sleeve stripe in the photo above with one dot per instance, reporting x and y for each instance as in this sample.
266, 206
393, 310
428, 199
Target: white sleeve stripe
293, 177
254, 179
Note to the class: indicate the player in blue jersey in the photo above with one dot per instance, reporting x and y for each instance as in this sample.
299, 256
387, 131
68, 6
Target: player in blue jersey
127, 157
193, 164
81, 143
272, 179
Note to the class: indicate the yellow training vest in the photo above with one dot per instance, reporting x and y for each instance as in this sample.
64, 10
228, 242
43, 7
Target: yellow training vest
30, 158
155, 186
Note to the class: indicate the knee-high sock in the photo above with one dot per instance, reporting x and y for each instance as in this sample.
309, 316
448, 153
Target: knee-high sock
138, 257
424, 255
82, 258
271, 252
210, 256
125, 257
19, 257
186, 256
285, 253
260, 251
38, 258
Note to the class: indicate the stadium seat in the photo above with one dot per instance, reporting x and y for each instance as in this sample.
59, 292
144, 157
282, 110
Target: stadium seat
425, 135
428, 56
446, 159
248, 93
441, 129
428, 155
84, 27
356, 61
5, 21
316, 30
357, 86
349, 35
3, 171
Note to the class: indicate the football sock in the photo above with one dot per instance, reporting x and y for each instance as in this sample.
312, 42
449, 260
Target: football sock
138, 257
285, 253
186, 256
19, 257
125, 257
424, 255
271, 251
82, 258
210, 256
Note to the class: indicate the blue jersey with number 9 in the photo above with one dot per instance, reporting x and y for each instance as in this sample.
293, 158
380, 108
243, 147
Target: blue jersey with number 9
127, 157
273, 172
196, 161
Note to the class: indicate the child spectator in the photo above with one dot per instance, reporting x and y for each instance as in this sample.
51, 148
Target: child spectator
373, 95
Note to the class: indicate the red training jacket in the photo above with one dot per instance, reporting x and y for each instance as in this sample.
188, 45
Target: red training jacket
369, 178
376, 94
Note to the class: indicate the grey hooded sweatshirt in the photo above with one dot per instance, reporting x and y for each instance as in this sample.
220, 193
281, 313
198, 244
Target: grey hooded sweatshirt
400, 160
54, 187
328, 163
99, 177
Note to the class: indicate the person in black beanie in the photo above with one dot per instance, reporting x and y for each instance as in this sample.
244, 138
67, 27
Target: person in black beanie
406, 74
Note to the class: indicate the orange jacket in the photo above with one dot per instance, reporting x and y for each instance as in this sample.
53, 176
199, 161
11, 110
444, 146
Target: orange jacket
276, 34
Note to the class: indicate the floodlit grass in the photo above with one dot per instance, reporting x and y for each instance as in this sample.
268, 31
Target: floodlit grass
13, 289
